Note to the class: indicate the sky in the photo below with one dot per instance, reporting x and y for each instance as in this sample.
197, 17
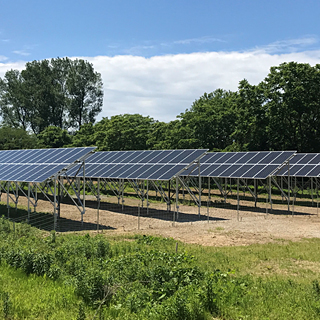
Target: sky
157, 57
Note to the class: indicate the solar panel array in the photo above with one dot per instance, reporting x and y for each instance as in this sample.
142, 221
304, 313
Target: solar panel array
303, 165
143, 165
37, 165
249, 165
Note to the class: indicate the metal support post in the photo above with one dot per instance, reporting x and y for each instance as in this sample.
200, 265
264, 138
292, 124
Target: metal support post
147, 197
169, 196
177, 197
294, 194
8, 205
255, 192
55, 205
270, 194
28, 202
289, 186
209, 200
238, 200
122, 195
312, 190
84, 193
317, 191
200, 188
98, 207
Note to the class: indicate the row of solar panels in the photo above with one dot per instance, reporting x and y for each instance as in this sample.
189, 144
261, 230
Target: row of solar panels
39, 165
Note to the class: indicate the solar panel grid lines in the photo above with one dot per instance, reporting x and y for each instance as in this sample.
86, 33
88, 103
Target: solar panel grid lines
144, 164
303, 165
251, 165
38, 165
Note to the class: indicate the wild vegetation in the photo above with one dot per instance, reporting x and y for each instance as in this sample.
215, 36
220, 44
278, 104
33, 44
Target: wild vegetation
50, 276
282, 112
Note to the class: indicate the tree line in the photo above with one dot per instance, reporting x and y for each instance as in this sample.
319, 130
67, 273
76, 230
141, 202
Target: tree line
282, 112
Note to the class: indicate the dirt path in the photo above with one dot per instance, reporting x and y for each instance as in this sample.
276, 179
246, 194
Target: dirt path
221, 229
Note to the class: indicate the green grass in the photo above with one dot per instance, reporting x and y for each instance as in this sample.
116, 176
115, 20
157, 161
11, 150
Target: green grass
33, 297
143, 277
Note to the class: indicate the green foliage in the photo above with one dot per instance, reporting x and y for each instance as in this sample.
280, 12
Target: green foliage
53, 137
211, 120
59, 92
124, 132
16, 138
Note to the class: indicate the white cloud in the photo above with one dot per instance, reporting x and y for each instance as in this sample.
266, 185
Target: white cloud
165, 86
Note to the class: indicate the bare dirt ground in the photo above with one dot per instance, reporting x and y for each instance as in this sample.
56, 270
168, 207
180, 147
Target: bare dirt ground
225, 226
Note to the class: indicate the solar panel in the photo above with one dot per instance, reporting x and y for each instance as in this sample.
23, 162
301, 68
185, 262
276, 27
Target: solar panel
144, 165
303, 165
37, 165
250, 165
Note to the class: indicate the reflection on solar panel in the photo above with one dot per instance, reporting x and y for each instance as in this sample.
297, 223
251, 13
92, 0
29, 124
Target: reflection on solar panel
249, 165
143, 165
37, 165
303, 165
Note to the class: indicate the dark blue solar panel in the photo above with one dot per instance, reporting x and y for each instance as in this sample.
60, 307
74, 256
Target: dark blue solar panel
140, 169
253, 171
242, 164
148, 156
158, 158
219, 172
172, 172
215, 171
104, 157
118, 157
308, 157
37, 164
180, 157
124, 170
295, 168
210, 157
266, 172
241, 171
283, 157
316, 159
270, 157
315, 172
223, 156
258, 157
143, 164
156, 175
139, 156
303, 172
206, 169
152, 169
247, 158
230, 170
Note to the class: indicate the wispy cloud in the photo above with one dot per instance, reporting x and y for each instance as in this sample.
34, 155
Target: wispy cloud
3, 58
24, 53
290, 45
201, 40
137, 50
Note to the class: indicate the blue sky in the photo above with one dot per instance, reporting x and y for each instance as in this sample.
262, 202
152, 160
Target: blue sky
157, 57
